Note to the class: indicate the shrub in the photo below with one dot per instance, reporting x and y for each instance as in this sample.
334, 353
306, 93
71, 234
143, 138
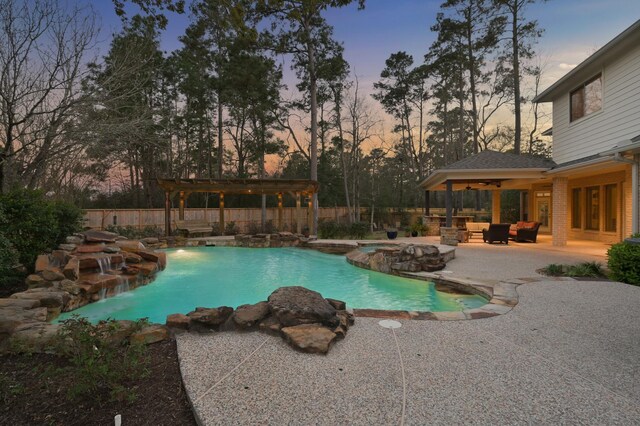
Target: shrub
254, 228
8, 262
359, 230
230, 228
33, 224
329, 229
98, 361
586, 269
624, 263
553, 270
134, 233
270, 228
69, 219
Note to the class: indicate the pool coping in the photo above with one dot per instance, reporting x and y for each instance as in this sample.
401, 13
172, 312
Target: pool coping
502, 295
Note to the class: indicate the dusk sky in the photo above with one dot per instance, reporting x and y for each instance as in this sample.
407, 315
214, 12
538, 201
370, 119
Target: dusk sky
573, 30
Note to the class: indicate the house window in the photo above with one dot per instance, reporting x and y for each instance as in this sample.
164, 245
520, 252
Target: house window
576, 208
593, 208
610, 207
587, 98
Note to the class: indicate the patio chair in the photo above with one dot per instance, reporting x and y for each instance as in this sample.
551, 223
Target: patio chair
525, 231
496, 232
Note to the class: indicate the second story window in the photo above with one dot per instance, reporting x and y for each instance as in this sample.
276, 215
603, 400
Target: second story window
587, 98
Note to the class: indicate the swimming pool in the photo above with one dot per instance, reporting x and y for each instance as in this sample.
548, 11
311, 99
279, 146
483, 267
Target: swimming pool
231, 276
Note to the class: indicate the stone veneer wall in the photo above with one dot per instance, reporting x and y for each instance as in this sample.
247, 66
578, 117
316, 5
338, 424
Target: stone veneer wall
560, 211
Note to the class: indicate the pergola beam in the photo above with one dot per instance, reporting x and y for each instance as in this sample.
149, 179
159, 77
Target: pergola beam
184, 187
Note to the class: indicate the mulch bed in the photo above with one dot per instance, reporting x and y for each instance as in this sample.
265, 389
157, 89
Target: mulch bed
28, 397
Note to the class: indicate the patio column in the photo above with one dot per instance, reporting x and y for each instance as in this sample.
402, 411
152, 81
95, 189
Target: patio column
280, 211
495, 206
448, 203
181, 206
310, 215
559, 209
167, 213
298, 214
221, 207
427, 203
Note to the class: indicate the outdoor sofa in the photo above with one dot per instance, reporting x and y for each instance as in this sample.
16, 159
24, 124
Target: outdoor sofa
496, 232
524, 231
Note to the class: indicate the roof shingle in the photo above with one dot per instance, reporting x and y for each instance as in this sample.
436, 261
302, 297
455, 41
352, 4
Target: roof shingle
500, 160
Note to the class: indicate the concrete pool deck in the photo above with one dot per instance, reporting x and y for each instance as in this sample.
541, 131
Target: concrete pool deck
569, 352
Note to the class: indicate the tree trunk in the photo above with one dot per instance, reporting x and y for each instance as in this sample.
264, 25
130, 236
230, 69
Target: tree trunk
313, 92
345, 178
220, 135
472, 83
516, 79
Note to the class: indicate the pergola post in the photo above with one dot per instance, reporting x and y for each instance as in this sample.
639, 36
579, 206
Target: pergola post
280, 211
181, 206
221, 207
167, 213
310, 217
495, 206
298, 214
448, 203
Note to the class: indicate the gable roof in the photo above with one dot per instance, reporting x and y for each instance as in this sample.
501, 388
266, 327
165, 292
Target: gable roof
487, 160
629, 38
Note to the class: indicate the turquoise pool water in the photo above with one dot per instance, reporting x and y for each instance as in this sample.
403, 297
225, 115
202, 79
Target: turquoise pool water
216, 276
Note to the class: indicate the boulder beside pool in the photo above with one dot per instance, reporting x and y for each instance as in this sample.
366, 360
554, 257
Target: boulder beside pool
302, 317
298, 305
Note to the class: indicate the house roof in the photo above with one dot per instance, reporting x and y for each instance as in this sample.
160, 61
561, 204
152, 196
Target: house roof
593, 64
487, 159
488, 168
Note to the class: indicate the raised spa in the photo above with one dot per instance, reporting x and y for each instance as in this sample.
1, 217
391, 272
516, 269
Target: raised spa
217, 276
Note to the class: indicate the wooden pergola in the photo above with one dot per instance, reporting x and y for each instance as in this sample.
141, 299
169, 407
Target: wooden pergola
184, 187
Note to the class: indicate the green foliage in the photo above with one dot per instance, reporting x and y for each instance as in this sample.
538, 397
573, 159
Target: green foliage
68, 219
358, 230
329, 229
419, 227
98, 360
624, 263
230, 228
8, 259
585, 269
33, 224
553, 270
134, 233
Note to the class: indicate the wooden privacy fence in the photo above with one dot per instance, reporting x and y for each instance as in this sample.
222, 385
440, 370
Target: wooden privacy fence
140, 218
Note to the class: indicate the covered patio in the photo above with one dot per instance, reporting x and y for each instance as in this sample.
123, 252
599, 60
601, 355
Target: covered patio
297, 188
492, 171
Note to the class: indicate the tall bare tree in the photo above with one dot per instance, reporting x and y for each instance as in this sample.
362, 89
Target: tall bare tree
43, 46
296, 24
